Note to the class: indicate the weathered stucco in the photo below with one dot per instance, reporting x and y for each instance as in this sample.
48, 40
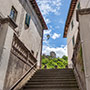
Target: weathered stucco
82, 26
74, 31
11, 68
3, 31
5, 55
85, 36
16, 68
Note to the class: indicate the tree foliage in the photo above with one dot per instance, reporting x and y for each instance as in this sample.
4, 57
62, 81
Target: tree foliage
51, 63
48, 36
65, 57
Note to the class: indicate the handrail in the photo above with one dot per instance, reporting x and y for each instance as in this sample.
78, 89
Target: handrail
19, 47
14, 86
21, 59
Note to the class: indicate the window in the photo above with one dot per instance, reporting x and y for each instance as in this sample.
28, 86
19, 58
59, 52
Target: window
13, 14
78, 6
72, 25
27, 20
73, 41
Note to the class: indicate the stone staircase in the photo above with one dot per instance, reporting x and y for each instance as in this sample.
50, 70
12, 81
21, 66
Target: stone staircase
52, 79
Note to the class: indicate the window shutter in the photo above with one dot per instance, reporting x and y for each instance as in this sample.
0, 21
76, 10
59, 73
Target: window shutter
72, 25
73, 41
78, 6
27, 20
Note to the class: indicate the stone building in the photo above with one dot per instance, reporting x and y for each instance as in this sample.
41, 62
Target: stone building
53, 54
21, 33
77, 32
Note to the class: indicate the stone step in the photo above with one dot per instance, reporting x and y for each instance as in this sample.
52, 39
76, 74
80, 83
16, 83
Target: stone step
52, 86
53, 76
53, 70
51, 89
51, 83
53, 73
68, 69
61, 73
52, 79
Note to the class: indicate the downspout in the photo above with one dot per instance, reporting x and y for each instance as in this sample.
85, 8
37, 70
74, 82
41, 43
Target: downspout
41, 50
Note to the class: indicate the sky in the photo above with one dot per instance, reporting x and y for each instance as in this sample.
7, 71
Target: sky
55, 14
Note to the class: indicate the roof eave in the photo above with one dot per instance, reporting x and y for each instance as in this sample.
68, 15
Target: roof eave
37, 10
69, 16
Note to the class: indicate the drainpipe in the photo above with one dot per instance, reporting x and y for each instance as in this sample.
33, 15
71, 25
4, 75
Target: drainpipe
41, 49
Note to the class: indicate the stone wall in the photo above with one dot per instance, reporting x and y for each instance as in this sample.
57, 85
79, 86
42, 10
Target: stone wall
84, 20
3, 31
20, 61
78, 64
8, 34
11, 67
16, 68
32, 36
74, 31
79, 69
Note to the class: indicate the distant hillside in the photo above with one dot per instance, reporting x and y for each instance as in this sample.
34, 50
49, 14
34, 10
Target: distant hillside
51, 63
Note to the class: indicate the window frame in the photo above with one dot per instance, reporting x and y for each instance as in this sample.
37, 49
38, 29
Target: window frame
27, 19
73, 40
72, 24
78, 5
13, 14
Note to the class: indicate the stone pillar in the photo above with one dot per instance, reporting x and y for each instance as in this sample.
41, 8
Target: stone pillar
5, 54
84, 20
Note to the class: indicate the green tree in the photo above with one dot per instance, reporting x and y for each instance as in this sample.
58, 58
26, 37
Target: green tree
51, 63
65, 57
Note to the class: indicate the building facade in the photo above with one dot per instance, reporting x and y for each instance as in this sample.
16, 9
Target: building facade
21, 35
76, 50
71, 27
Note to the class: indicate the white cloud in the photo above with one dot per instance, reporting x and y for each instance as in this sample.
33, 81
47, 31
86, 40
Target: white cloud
60, 51
50, 26
47, 6
47, 20
47, 32
55, 36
